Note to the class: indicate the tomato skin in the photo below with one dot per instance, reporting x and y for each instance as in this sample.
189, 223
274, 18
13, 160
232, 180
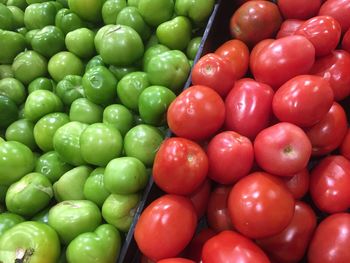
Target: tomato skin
197, 106
260, 205
331, 240
345, 44
298, 183
304, 100
339, 10
175, 260
231, 247
328, 134
194, 250
230, 156
282, 60
298, 9
289, 27
165, 227
200, 198
248, 107
345, 145
290, 245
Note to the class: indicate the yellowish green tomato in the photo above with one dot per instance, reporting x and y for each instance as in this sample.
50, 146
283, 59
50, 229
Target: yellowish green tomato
22, 131
39, 15
89, 10
81, 42
65, 63
119, 117
111, 9
156, 12
94, 187
85, 111
9, 220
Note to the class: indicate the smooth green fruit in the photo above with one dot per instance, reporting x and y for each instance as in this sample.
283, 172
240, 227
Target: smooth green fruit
94, 187
48, 41
11, 44
156, 12
89, 10
152, 52
70, 88
197, 10
22, 131
39, 15
111, 9
13, 89
193, 47
18, 16
41, 83
7, 21
8, 111
85, 111
65, 63
9, 220
119, 117
93, 62
6, 71
81, 42
67, 21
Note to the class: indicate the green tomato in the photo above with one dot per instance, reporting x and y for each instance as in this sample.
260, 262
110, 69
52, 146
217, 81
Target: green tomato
13, 89
22, 131
89, 10
48, 41
197, 10
46, 127
64, 3
193, 47
70, 186
121, 72
66, 142
119, 210
133, 3
130, 87
65, 63
22, 4
30, 241
153, 104
9, 220
41, 102
156, 12
41, 83
94, 187
7, 20
18, 16
67, 21
119, 117
100, 143
85, 111
143, 142
93, 62
111, 9
3, 190
22, 30
81, 42
119, 45
39, 15
153, 40
74, 217
152, 52
8, 111
6, 71
70, 88
28, 66
11, 44
42, 216
29, 195
29, 35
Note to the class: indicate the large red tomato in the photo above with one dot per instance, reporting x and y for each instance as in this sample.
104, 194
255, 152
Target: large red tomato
166, 227
248, 107
345, 44
304, 100
258, 47
200, 198
289, 27
290, 245
330, 243
299, 9
231, 247
282, 60
345, 145
260, 205
282, 149
338, 9
194, 249
197, 113
298, 184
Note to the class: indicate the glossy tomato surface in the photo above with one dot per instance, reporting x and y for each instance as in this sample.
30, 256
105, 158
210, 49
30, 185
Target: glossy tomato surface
345, 145
194, 249
298, 183
338, 9
200, 198
299, 9
289, 27
345, 44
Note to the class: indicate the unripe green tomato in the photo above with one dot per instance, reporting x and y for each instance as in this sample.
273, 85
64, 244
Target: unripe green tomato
93, 62
111, 9
22, 4
81, 42
18, 16
67, 21
48, 41
121, 72
94, 187
39, 15
9, 220
153, 51
69, 89
156, 12
89, 10
85, 111
11, 44
42, 216
22, 131
119, 117
8, 111
41, 83
193, 47
63, 64
6, 71
197, 10
7, 20
13, 89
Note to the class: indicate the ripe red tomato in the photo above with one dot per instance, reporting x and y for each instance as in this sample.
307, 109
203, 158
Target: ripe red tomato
282, 149
248, 107
345, 44
215, 72
345, 145
335, 68
166, 227
330, 242
304, 100
258, 47
329, 184
328, 134
282, 60
231, 247
289, 27
230, 156
338, 9
298, 184
194, 249
200, 198
260, 205
176, 260
290, 245
254, 21
238, 54
323, 32
298, 9
197, 113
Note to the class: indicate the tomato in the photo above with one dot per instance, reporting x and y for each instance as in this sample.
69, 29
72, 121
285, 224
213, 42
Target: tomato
194, 249
260, 205
338, 9
323, 32
335, 68
165, 227
200, 198
175, 260
215, 72
197, 106
304, 100
345, 145
290, 245
282, 60
237, 53
231, 247
230, 157
298, 183
282, 149
345, 44
331, 239
248, 107
254, 21
299, 9
328, 134
289, 27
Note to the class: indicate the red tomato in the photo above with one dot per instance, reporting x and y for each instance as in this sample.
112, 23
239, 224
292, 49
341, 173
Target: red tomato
345, 145
166, 227
200, 198
197, 113
282, 149
255, 21
230, 156
180, 166
289, 27
330, 243
248, 107
298, 184
194, 249
215, 72
338, 9
238, 54
217, 214
323, 32
260, 205
231, 247
329, 184
328, 134
175, 260
145, 259
282, 60
299, 9
345, 44
290, 245
304, 100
